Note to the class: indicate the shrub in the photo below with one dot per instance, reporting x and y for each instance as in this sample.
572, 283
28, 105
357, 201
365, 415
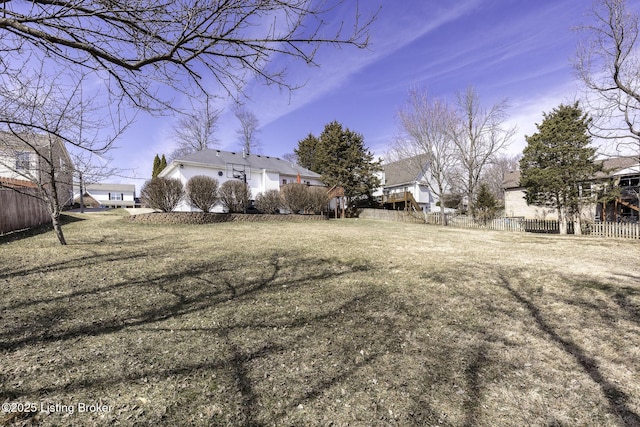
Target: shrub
295, 197
318, 199
202, 192
162, 193
269, 202
235, 195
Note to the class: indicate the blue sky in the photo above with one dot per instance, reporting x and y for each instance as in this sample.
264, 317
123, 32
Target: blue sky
516, 50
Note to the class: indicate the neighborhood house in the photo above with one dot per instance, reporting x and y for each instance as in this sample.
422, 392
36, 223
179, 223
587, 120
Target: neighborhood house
28, 160
261, 173
108, 196
613, 194
404, 186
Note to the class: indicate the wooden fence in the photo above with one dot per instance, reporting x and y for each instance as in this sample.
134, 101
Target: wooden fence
19, 211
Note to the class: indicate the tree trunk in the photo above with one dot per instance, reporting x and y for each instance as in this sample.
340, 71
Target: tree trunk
577, 225
57, 227
562, 221
444, 215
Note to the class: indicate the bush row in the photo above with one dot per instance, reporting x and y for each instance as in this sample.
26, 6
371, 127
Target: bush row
209, 218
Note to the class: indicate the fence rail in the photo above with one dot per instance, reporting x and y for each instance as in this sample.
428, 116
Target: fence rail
19, 211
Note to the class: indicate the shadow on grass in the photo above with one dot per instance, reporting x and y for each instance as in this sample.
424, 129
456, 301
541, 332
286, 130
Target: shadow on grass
280, 338
340, 337
65, 219
616, 398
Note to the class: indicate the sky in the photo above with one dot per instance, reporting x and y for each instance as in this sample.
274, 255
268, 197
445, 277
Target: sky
513, 50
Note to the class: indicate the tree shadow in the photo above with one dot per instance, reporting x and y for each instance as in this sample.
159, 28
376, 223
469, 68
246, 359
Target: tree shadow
351, 333
616, 398
37, 230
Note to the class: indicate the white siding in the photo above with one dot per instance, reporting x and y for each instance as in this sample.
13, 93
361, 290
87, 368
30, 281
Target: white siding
260, 181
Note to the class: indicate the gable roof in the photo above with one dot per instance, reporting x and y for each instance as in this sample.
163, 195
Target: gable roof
110, 187
612, 166
405, 171
220, 159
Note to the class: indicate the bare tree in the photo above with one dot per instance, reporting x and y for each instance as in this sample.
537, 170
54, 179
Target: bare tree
425, 137
607, 62
247, 133
195, 130
184, 44
41, 117
479, 136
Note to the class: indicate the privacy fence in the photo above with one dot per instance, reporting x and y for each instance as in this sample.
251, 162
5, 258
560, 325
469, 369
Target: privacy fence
609, 229
19, 211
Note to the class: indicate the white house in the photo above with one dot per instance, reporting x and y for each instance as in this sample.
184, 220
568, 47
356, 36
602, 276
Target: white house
404, 185
109, 195
262, 173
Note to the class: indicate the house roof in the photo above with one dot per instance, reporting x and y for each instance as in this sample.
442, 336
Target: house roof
404, 171
110, 187
220, 159
612, 166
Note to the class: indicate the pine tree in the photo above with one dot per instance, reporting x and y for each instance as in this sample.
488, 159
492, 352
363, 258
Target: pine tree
163, 163
156, 167
486, 205
343, 160
558, 159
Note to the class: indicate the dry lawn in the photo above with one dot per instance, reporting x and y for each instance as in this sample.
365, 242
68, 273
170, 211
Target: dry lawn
354, 322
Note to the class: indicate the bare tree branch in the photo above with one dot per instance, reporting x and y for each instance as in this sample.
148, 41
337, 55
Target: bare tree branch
134, 42
195, 129
247, 133
608, 63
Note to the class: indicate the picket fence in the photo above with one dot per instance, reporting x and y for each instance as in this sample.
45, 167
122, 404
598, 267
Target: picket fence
608, 229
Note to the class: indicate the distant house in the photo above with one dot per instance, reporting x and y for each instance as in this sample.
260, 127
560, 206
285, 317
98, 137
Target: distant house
404, 185
620, 179
28, 160
262, 173
109, 195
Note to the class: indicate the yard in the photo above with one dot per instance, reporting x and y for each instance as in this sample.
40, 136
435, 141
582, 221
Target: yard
348, 322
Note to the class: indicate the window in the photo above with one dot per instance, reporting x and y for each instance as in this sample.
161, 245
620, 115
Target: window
116, 196
23, 160
284, 181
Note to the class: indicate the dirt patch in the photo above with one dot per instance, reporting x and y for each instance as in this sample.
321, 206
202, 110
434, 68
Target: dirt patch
209, 218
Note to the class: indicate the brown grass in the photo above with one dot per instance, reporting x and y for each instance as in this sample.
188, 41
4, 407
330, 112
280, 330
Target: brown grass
348, 322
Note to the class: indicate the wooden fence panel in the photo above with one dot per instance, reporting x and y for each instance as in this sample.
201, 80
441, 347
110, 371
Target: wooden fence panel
19, 211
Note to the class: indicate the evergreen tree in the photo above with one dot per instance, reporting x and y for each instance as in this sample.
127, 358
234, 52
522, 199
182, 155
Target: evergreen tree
163, 163
342, 159
306, 153
486, 205
156, 167
557, 161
